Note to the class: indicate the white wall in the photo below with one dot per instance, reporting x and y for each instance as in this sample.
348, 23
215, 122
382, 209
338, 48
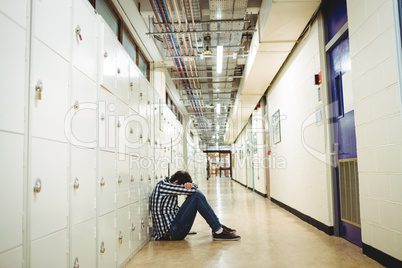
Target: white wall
298, 178
378, 123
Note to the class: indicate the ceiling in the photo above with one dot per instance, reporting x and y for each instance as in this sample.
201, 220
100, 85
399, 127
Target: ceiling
257, 36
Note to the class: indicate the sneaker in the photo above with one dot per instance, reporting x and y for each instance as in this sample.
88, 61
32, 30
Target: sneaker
225, 236
230, 230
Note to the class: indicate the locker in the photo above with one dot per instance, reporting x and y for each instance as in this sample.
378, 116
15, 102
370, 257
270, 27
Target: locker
11, 258
123, 75
12, 52
108, 56
122, 126
16, 10
134, 87
84, 46
107, 121
144, 183
50, 78
57, 36
106, 182
123, 178
11, 165
82, 111
143, 97
133, 133
141, 130
145, 217
83, 244
82, 184
107, 241
50, 251
135, 179
123, 235
135, 227
48, 187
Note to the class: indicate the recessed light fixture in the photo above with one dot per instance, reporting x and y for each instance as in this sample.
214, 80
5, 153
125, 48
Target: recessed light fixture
219, 59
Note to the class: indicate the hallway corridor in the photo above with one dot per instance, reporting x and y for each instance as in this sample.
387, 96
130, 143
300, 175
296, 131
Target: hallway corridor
271, 237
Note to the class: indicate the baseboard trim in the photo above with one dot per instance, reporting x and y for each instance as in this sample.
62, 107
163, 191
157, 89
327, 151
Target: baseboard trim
256, 191
329, 230
381, 257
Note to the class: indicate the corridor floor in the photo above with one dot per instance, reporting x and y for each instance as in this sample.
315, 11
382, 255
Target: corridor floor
271, 237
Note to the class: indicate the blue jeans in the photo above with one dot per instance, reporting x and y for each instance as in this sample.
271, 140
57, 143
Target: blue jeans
185, 217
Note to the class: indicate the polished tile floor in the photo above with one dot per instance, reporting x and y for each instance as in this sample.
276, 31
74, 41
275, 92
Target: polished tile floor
271, 237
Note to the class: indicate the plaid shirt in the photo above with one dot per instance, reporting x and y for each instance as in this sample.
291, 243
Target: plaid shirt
164, 207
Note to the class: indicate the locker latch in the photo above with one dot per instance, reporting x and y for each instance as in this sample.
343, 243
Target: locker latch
132, 227
132, 178
105, 54
102, 247
102, 182
131, 86
120, 238
76, 263
141, 95
38, 185
119, 180
76, 105
76, 183
78, 32
39, 89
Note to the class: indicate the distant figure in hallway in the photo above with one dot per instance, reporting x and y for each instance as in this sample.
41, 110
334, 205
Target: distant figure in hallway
172, 222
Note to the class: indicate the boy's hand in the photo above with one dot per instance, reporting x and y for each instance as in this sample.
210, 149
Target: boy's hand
188, 185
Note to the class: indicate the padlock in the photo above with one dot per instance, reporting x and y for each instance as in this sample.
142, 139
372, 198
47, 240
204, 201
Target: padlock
38, 89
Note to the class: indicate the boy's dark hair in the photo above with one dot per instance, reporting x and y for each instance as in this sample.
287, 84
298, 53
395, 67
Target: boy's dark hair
182, 177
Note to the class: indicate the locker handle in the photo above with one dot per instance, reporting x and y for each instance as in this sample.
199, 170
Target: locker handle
149, 178
76, 183
119, 179
132, 178
39, 89
102, 117
142, 222
335, 154
76, 263
105, 54
102, 182
78, 32
132, 227
118, 70
38, 185
76, 105
149, 102
118, 124
102, 247
141, 95
120, 237
142, 179
131, 131
131, 85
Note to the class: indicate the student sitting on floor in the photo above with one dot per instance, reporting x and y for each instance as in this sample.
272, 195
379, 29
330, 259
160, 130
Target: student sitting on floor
172, 222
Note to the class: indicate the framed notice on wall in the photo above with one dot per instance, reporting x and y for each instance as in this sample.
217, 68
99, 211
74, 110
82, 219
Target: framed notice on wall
276, 127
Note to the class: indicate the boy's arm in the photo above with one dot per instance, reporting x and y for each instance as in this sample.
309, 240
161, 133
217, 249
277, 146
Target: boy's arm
170, 188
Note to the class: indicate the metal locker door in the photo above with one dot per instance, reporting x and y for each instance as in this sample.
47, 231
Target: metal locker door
144, 221
17, 11
123, 178
144, 183
135, 179
107, 241
123, 75
134, 227
107, 121
134, 87
82, 116
122, 121
50, 251
143, 97
82, 184
123, 235
49, 93
57, 36
84, 40
106, 182
132, 133
83, 244
49, 187
11, 166
108, 54
12, 53
11, 258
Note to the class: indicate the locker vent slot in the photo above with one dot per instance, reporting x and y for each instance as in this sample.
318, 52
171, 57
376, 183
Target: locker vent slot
349, 191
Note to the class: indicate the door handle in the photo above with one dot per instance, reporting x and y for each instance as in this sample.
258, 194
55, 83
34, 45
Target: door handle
335, 154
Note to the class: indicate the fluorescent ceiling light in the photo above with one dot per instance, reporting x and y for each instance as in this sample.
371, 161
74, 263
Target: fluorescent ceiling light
235, 55
217, 127
219, 59
218, 108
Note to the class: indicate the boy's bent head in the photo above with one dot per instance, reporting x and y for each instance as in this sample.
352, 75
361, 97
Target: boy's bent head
181, 177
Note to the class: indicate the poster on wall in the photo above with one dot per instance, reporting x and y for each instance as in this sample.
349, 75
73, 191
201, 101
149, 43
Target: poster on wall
276, 127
